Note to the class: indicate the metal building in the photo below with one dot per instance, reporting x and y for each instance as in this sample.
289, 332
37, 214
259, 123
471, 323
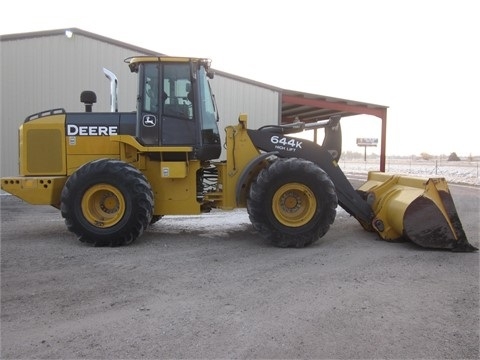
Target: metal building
49, 69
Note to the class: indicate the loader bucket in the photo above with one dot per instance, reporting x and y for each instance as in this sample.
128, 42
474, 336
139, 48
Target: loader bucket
417, 209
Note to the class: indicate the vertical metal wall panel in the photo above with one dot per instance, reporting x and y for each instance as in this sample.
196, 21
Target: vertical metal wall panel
234, 97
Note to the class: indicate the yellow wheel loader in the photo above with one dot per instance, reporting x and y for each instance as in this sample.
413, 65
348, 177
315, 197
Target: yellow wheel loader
112, 174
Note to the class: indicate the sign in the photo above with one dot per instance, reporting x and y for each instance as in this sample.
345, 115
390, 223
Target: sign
367, 141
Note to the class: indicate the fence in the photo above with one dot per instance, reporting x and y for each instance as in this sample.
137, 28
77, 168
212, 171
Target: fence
453, 171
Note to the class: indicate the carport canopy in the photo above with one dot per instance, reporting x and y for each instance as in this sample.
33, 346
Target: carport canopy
310, 108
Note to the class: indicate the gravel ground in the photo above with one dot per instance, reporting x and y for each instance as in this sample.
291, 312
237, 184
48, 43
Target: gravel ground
207, 287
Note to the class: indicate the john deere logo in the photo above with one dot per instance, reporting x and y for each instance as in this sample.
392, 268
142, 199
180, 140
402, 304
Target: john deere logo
149, 120
91, 130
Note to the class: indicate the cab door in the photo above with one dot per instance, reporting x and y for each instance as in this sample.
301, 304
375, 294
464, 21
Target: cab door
178, 126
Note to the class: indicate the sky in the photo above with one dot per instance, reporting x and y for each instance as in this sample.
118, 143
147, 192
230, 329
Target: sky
420, 58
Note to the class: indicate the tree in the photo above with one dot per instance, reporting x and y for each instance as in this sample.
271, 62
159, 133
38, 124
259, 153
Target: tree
453, 157
425, 156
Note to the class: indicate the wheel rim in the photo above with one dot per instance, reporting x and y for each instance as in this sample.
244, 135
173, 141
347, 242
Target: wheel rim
103, 205
294, 204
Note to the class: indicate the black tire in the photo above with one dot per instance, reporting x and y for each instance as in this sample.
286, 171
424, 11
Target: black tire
107, 203
292, 203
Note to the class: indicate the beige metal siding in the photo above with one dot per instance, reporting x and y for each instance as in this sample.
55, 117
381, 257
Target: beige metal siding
42, 73
234, 97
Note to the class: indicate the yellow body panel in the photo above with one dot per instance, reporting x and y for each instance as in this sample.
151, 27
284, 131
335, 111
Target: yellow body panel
36, 190
83, 149
174, 169
173, 195
42, 148
240, 151
78, 145
130, 140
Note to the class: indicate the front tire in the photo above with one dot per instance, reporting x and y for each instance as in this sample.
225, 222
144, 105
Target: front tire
292, 203
107, 203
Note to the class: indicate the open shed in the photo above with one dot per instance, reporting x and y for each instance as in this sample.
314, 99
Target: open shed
311, 108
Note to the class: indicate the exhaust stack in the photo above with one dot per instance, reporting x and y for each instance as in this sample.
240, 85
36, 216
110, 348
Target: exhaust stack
113, 89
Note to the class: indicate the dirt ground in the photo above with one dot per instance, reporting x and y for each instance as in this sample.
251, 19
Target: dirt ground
187, 289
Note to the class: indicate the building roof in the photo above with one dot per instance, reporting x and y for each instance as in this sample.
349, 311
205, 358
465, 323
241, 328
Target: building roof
311, 107
36, 34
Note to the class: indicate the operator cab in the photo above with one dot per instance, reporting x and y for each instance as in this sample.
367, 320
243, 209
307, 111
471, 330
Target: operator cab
175, 105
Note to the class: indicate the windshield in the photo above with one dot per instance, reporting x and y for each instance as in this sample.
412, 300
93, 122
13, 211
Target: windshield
177, 95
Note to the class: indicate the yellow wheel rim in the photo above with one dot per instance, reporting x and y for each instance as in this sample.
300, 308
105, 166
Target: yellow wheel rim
103, 205
294, 205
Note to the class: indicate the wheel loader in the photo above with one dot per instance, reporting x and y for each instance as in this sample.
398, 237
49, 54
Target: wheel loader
113, 174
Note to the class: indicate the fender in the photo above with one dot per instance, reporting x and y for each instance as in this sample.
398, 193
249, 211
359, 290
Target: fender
245, 178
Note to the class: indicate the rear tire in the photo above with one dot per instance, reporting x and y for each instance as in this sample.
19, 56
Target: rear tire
292, 203
107, 203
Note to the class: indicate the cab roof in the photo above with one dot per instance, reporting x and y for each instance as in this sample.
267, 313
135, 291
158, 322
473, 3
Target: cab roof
134, 61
